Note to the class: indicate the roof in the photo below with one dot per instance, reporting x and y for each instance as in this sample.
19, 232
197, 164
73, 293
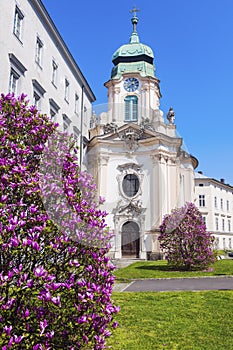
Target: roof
134, 57
200, 176
221, 182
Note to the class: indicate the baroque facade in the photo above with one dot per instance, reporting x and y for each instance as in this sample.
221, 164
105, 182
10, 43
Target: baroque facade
136, 157
36, 61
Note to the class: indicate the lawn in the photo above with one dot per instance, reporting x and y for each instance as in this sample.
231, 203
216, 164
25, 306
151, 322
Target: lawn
160, 269
174, 321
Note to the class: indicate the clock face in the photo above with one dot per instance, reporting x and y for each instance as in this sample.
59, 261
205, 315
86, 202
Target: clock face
131, 84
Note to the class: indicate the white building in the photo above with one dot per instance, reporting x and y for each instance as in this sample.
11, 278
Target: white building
215, 201
137, 160
35, 60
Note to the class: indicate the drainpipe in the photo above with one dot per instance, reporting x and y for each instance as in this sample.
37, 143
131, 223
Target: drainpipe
81, 131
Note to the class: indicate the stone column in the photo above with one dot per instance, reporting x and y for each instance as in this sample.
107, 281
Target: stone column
116, 92
142, 251
159, 188
147, 101
103, 175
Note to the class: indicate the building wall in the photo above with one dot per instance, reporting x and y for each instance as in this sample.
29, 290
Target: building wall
215, 201
36, 53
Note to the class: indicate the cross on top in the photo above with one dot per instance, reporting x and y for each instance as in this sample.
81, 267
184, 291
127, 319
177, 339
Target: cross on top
134, 11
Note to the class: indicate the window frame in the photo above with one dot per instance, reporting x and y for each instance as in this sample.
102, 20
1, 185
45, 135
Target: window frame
18, 23
131, 108
223, 224
36, 99
39, 51
130, 185
17, 70
66, 123
202, 200
215, 202
76, 104
54, 72
38, 93
216, 224
67, 90
54, 109
14, 77
221, 203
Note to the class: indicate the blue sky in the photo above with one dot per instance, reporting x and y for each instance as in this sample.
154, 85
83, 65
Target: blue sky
193, 47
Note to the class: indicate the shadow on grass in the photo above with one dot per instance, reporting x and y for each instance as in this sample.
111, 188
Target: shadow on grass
157, 268
167, 268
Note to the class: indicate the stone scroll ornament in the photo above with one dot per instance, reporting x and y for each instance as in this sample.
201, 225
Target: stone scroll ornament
131, 137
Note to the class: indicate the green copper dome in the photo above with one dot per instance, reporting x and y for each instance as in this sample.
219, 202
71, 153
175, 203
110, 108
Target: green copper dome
134, 57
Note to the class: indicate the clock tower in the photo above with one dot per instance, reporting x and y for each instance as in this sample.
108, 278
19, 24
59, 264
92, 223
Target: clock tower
138, 161
133, 88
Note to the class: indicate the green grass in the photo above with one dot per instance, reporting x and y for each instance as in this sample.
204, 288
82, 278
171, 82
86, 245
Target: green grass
174, 321
160, 269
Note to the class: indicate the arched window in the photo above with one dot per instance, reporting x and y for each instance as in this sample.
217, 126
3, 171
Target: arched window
131, 108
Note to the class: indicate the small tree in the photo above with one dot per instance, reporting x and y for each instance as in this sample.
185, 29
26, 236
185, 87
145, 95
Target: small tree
184, 239
55, 278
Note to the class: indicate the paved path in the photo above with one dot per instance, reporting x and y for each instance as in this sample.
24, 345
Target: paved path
178, 284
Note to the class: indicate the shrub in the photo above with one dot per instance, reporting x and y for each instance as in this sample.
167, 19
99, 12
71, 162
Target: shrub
184, 239
55, 278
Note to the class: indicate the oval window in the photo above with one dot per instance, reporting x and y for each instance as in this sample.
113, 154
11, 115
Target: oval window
130, 185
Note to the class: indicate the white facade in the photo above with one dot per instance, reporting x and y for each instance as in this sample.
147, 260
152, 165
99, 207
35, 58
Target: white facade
36, 61
136, 158
215, 201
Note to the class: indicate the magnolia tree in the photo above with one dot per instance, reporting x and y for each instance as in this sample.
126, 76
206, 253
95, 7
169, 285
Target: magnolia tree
55, 278
184, 239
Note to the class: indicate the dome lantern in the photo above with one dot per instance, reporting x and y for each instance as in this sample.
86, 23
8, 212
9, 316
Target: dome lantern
134, 57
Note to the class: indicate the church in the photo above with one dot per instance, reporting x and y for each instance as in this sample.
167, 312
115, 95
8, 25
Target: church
135, 155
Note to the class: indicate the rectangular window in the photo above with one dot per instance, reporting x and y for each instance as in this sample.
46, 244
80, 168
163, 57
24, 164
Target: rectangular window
52, 114
85, 112
16, 72
204, 219
215, 202
230, 245
13, 82
201, 200
224, 243
54, 109
18, 23
38, 93
76, 105
229, 225
76, 134
66, 123
221, 201
131, 108
216, 224
36, 100
54, 73
223, 224
67, 90
39, 48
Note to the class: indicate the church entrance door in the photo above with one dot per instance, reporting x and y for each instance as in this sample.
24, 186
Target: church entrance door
130, 243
